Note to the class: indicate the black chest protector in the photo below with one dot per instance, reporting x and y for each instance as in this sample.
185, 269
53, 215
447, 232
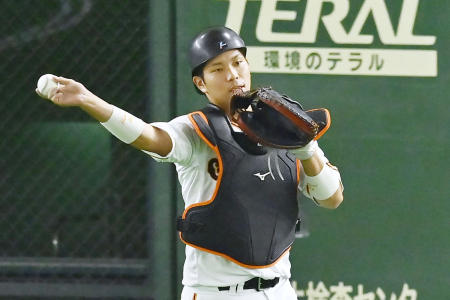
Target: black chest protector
251, 217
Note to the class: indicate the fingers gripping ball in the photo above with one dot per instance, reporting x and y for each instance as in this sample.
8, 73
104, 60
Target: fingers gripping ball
275, 120
47, 86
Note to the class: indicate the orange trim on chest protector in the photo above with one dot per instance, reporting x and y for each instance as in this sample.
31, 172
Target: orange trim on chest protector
234, 260
216, 190
219, 157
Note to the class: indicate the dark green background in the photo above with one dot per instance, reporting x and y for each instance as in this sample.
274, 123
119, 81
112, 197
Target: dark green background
390, 139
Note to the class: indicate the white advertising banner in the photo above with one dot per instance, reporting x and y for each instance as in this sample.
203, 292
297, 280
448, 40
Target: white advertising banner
343, 61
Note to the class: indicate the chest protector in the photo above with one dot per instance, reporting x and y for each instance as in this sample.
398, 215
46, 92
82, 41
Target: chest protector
252, 214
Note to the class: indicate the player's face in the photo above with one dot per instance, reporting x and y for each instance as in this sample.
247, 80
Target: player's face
224, 76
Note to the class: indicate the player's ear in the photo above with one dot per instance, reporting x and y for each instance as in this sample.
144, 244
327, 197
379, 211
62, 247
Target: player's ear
199, 83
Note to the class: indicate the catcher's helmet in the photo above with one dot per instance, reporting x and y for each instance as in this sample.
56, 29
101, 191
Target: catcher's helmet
212, 42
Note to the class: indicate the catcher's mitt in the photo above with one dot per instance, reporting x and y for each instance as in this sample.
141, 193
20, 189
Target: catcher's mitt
275, 120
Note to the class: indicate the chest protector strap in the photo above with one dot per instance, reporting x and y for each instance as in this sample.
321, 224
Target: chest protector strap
251, 217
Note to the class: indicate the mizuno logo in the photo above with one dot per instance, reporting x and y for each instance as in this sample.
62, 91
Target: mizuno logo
222, 44
261, 176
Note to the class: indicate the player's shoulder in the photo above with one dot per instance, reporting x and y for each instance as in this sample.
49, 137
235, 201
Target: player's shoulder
181, 122
184, 120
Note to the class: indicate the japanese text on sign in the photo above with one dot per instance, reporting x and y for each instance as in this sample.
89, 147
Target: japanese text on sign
342, 61
347, 292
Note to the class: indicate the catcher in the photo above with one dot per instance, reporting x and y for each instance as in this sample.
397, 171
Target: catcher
241, 161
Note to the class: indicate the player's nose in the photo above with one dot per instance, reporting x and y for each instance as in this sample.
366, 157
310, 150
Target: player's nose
232, 73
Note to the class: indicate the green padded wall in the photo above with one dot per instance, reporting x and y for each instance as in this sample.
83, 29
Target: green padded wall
389, 135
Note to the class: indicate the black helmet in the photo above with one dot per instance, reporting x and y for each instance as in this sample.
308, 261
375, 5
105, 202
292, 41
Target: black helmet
212, 42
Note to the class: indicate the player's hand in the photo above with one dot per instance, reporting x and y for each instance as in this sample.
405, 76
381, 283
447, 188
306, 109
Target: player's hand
69, 93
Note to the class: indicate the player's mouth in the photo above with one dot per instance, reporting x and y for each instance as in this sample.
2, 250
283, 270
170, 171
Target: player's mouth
237, 90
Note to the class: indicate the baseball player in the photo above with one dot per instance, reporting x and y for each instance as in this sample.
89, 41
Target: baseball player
240, 196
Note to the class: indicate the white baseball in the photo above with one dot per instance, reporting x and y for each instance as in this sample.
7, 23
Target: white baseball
47, 85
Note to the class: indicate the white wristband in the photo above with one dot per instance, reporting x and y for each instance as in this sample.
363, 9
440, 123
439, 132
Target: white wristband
124, 125
307, 151
323, 185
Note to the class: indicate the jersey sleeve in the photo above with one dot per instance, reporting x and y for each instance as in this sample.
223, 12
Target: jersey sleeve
183, 138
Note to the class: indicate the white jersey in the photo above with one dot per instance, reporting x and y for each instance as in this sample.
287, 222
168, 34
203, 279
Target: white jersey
192, 157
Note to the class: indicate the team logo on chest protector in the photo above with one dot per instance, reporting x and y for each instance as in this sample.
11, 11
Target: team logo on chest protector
213, 168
